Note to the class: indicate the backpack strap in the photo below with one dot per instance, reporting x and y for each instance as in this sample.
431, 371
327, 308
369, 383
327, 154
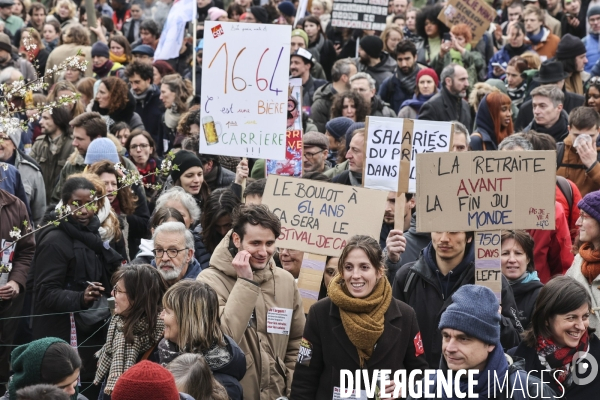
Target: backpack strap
409, 285
560, 153
566, 189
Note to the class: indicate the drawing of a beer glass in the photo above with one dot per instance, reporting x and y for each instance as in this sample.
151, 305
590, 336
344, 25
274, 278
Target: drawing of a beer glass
210, 130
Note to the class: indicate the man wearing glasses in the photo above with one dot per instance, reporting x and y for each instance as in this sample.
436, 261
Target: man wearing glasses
316, 149
174, 253
364, 85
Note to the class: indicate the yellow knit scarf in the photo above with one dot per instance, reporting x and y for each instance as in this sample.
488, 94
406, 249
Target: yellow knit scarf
120, 59
363, 319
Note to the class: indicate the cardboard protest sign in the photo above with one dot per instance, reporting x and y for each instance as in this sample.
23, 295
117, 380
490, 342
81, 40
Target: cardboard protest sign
477, 14
357, 14
292, 164
384, 151
488, 262
244, 100
427, 137
320, 217
309, 280
486, 190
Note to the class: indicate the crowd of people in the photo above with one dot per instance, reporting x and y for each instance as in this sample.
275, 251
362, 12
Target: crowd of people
168, 288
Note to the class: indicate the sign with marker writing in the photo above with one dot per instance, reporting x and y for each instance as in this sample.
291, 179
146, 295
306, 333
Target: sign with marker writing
486, 191
488, 261
427, 137
244, 100
387, 152
320, 217
477, 14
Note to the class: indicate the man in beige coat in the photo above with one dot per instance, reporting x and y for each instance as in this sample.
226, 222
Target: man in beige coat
260, 305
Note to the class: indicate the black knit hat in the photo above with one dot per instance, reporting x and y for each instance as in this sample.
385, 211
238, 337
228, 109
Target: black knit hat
372, 45
184, 160
260, 14
569, 47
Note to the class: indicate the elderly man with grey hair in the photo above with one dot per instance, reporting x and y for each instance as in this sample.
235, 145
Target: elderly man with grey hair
363, 84
515, 142
549, 115
449, 103
174, 252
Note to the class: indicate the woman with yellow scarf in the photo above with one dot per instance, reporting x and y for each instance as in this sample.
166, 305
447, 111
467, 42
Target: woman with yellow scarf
360, 326
120, 50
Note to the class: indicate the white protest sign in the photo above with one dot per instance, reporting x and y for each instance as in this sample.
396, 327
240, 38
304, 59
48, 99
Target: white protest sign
428, 137
245, 77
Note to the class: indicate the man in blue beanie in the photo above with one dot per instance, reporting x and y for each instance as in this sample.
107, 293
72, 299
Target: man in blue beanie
592, 41
470, 329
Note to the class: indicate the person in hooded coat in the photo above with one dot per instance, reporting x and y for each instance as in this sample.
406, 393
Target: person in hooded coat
494, 122
116, 104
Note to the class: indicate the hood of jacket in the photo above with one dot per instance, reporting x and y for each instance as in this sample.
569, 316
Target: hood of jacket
485, 124
325, 92
75, 158
386, 63
23, 158
146, 247
413, 228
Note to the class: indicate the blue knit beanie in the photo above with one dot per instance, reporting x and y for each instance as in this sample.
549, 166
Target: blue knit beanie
591, 204
287, 8
100, 49
352, 128
337, 127
474, 311
101, 149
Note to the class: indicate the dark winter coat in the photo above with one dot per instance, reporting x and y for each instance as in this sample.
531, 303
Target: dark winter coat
384, 69
392, 91
430, 293
525, 295
309, 88
445, 106
127, 114
327, 54
151, 109
138, 221
325, 349
485, 127
379, 108
320, 111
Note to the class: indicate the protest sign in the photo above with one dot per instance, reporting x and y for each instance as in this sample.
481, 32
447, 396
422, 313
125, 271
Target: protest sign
359, 14
477, 14
292, 165
427, 137
245, 89
384, 150
488, 262
485, 190
320, 217
309, 280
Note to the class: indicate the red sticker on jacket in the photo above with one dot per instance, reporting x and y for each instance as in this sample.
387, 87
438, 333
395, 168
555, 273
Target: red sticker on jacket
418, 345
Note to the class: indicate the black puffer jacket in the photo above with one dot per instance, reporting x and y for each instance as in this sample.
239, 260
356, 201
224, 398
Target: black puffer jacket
525, 295
126, 114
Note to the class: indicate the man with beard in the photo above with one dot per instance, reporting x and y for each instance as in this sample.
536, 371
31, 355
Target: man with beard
315, 150
174, 252
401, 85
147, 96
373, 60
449, 104
300, 64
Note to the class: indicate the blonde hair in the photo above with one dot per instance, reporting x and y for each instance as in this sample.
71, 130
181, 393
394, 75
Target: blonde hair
196, 309
533, 59
72, 7
194, 377
386, 33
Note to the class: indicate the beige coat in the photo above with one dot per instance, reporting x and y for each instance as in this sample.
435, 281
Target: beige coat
62, 52
594, 290
270, 357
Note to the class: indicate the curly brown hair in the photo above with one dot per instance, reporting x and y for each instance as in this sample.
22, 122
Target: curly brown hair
118, 93
337, 105
127, 199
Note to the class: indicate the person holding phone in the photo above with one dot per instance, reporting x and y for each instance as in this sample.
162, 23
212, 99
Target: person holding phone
571, 20
514, 47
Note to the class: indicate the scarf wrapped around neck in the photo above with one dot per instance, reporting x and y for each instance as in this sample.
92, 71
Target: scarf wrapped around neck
171, 118
457, 57
117, 356
408, 82
559, 359
103, 70
118, 59
590, 268
537, 38
363, 319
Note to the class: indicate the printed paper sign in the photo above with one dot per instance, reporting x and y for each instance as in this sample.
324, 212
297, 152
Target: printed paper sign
245, 90
488, 261
486, 190
359, 14
320, 217
388, 142
477, 14
279, 320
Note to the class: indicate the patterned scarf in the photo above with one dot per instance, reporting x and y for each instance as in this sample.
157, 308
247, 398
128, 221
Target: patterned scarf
216, 357
363, 319
117, 356
556, 358
590, 268
150, 167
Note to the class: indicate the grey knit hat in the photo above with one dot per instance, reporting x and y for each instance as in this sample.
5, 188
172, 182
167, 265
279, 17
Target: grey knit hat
474, 311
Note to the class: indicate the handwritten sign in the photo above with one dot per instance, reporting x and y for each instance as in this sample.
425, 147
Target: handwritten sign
309, 280
427, 137
477, 14
320, 217
245, 89
359, 14
485, 191
292, 165
388, 140
488, 262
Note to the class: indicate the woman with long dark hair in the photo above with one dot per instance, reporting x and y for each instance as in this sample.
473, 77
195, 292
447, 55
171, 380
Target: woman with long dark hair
431, 30
115, 103
494, 122
326, 54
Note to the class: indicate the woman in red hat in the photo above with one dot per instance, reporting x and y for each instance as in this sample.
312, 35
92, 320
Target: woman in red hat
427, 87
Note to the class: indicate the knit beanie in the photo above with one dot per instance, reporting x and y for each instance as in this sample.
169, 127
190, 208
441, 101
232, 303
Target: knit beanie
101, 149
474, 311
260, 14
302, 34
184, 161
5, 43
372, 45
287, 8
569, 47
338, 126
145, 380
26, 362
214, 13
591, 204
429, 72
595, 10
352, 128
100, 49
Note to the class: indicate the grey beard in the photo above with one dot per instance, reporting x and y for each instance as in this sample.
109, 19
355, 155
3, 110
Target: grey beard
174, 274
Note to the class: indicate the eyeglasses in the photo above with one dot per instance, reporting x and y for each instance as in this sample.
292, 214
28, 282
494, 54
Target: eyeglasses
172, 253
595, 80
117, 290
310, 156
141, 146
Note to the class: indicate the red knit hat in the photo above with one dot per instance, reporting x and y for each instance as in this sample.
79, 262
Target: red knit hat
429, 72
145, 380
